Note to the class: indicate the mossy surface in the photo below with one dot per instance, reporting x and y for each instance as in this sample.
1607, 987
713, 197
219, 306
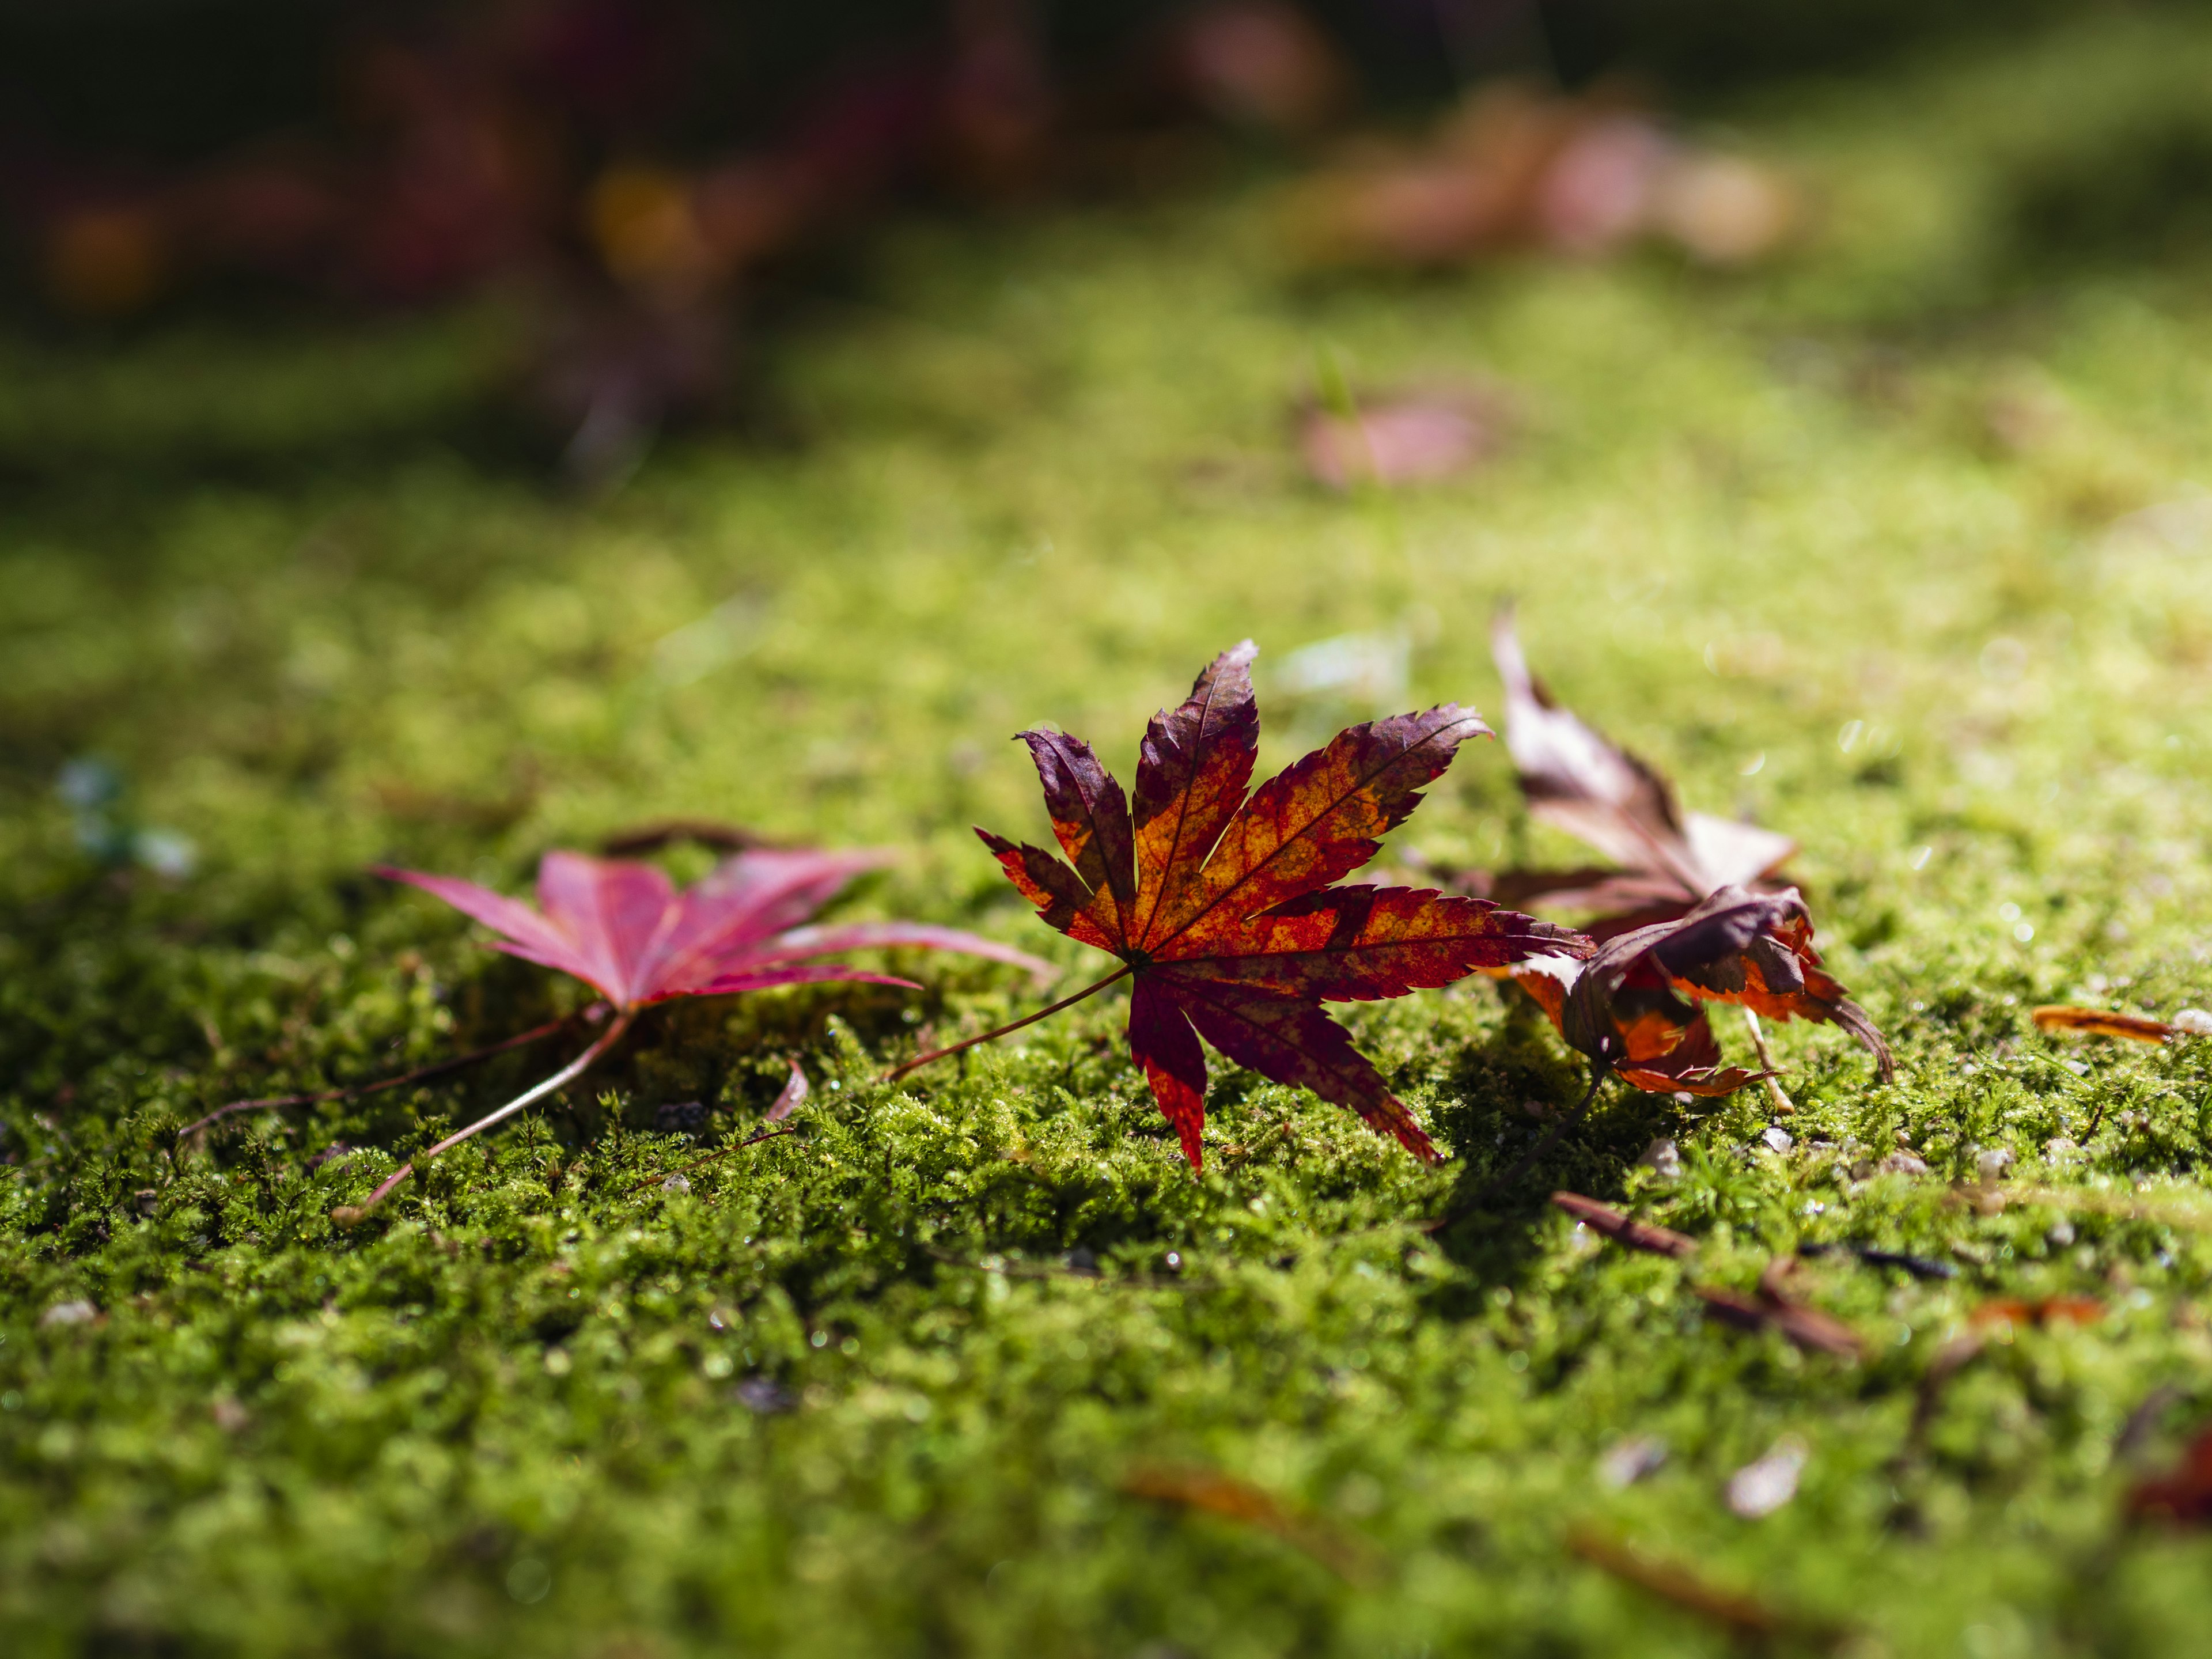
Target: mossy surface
1860, 545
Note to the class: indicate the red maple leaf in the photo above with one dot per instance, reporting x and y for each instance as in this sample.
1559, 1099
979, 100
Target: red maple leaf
1217, 900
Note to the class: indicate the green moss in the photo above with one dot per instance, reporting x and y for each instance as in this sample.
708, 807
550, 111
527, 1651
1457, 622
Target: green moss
1832, 544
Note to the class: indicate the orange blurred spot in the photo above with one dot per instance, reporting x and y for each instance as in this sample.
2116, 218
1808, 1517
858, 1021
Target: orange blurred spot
642, 221
2050, 1310
108, 261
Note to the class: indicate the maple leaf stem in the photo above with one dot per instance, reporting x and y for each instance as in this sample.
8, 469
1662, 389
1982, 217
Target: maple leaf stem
420, 1074
920, 1061
346, 1215
1528, 1160
1783, 1103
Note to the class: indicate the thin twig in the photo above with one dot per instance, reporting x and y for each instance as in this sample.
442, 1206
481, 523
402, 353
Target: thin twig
1751, 1621
667, 1175
420, 1074
1625, 1230
920, 1061
347, 1214
1528, 1160
1782, 1102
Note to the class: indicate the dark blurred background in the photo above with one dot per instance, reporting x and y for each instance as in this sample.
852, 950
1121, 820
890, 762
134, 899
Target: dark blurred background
642, 177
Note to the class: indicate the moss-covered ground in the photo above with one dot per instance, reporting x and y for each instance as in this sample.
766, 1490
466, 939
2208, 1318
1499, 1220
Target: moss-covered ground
1857, 544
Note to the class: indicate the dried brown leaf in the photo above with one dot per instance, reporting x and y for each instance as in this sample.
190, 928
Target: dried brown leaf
2100, 1022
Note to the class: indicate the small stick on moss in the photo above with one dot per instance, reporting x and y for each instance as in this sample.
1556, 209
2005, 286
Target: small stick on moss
347, 1214
1782, 1105
934, 1054
420, 1074
1625, 1230
1744, 1617
1215, 1493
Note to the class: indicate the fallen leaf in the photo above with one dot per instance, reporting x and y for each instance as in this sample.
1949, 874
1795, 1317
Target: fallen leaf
1698, 896
1258, 63
1578, 781
1513, 168
2047, 1311
625, 931
1406, 437
2098, 1021
793, 1095
2182, 1497
1631, 1006
1624, 1230
1218, 904
1232, 1499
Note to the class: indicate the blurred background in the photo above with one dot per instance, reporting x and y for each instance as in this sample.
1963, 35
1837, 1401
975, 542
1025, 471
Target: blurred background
637, 186
426, 421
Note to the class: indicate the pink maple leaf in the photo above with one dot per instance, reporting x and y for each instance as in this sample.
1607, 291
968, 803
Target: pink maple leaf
624, 930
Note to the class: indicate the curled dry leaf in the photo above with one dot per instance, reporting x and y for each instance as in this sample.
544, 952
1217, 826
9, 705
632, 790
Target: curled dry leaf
1693, 914
1406, 437
2100, 1022
1633, 1005
1217, 899
1624, 1229
792, 1096
1576, 781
